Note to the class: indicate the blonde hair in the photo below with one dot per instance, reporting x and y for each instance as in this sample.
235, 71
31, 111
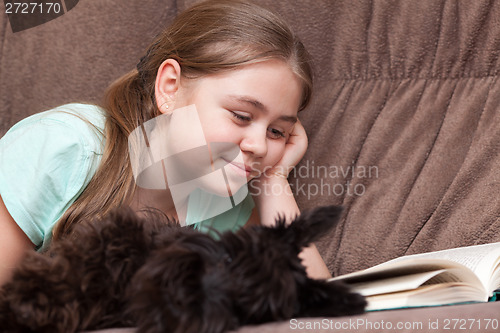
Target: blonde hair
208, 38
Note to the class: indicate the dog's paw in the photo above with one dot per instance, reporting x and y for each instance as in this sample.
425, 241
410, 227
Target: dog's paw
330, 299
354, 303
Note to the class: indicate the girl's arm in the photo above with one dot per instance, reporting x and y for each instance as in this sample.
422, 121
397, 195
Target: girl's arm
272, 195
13, 244
267, 203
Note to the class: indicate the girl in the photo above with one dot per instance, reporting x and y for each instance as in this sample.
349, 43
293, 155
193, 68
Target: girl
243, 71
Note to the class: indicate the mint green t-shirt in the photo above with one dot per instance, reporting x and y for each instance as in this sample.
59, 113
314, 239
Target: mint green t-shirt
230, 220
47, 160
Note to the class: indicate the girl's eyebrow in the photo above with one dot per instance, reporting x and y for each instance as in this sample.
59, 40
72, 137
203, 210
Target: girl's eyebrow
260, 106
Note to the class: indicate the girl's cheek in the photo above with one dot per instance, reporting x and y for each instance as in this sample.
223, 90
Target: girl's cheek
277, 153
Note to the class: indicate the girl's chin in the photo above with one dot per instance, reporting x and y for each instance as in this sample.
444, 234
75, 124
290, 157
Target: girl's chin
253, 175
225, 190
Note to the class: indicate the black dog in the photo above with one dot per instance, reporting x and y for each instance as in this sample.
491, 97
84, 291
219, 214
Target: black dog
149, 273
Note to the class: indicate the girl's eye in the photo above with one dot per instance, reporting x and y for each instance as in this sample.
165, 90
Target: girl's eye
241, 117
275, 134
244, 118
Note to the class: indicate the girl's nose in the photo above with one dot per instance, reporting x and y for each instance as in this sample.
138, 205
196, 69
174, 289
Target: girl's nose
254, 142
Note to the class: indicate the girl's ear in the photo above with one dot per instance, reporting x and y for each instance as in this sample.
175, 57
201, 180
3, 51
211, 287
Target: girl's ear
167, 84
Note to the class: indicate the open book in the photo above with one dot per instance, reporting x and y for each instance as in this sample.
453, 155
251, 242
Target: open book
467, 274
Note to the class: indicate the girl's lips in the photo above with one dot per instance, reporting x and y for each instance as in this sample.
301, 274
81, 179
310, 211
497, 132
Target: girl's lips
239, 168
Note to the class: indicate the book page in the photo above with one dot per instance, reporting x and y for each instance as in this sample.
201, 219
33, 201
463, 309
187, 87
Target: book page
432, 295
481, 259
394, 284
448, 276
410, 270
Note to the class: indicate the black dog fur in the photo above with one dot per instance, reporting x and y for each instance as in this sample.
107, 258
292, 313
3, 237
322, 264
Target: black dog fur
150, 273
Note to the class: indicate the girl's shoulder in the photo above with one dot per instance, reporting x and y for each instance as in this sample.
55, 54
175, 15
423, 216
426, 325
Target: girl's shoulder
77, 116
46, 160
69, 124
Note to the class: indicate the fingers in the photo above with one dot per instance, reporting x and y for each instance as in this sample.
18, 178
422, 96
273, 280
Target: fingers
298, 134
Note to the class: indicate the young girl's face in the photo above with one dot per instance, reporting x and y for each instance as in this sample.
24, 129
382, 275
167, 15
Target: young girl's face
253, 107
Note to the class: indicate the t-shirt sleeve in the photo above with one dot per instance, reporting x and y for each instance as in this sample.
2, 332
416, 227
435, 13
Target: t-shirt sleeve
44, 167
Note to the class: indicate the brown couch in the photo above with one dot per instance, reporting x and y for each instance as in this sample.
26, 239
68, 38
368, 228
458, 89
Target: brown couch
404, 127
